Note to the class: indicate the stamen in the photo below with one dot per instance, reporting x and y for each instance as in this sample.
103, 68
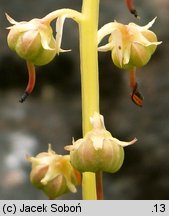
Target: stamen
136, 96
24, 96
131, 7
31, 81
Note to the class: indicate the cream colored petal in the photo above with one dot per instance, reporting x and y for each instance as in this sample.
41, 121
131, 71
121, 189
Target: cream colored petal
12, 21
149, 25
69, 148
52, 172
50, 151
59, 31
20, 26
123, 143
143, 28
126, 57
105, 48
105, 30
71, 186
141, 39
45, 40
62, 50
97, 121
148, 43
75, 145
23, 26
118, 45
97, 142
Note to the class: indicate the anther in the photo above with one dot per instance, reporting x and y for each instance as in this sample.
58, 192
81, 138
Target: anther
24, 96
131, 8
137, 97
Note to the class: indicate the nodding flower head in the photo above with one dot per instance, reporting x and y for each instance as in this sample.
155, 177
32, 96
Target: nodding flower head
131, 45
98, 150
34, 40
53, 173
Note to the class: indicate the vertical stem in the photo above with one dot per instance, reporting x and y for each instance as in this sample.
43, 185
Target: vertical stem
89, 80
99, 186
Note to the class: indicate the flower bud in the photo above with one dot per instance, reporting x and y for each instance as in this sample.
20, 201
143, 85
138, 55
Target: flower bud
32, 41
53, 174
98, 150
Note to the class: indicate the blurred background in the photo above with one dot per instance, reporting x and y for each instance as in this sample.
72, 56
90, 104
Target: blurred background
52, 114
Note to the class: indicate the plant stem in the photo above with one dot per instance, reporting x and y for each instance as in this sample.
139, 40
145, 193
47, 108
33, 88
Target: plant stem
69, 13
99, 186
89, 80
31, 81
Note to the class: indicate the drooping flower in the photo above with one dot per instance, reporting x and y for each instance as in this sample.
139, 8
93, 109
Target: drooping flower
53, 173
130, 45
98, 150
34, 42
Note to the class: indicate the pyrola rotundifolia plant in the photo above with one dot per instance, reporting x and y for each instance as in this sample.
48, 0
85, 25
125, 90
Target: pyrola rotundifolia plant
130, 45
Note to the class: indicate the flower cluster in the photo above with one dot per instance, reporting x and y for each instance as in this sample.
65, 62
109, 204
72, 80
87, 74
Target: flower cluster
131, 47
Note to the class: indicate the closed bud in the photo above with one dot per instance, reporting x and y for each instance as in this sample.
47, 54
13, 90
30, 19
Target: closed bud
98, 150
53, 174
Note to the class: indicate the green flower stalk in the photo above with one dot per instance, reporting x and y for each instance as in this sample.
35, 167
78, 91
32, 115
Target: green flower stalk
89, 80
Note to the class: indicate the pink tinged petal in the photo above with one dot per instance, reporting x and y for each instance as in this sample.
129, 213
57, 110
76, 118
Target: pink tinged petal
123, 143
